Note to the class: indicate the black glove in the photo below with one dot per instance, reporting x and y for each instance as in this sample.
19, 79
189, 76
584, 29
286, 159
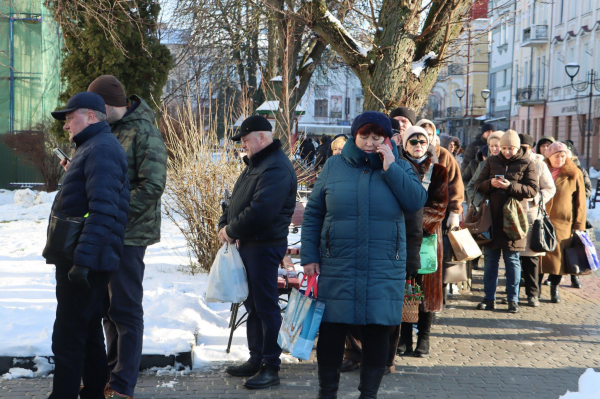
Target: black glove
412, 271
78, 275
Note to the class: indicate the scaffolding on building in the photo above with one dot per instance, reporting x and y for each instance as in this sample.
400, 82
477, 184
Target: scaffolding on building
30, 83
30, 54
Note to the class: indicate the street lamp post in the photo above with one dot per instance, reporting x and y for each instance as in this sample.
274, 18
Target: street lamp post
572, 69
485, 94
460, 93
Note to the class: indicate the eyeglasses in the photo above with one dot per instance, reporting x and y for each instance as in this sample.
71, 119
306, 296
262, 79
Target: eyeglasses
414, 142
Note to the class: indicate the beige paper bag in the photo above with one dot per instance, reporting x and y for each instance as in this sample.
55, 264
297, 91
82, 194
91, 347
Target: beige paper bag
464, 246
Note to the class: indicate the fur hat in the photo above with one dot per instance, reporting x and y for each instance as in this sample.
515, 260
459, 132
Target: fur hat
510, 139
411, 131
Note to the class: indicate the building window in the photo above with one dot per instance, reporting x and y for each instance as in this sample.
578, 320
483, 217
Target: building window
556, 121
568, 128
321, 110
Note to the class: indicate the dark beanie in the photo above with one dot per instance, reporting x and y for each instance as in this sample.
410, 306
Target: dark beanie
526, 139
488, 126
373, 117
110, 89
395, 125
405, 112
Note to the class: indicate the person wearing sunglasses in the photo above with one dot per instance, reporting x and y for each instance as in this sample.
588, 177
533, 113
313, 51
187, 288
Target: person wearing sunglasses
434, 178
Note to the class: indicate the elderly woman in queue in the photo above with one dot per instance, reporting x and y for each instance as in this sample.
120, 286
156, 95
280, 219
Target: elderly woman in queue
509, 174
434, 178
567, 211
353, 236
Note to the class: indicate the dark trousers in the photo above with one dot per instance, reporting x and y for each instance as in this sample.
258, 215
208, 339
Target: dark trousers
555, 279
262, 305
77, 340
124, 320
332, 337
353, 345
530, 270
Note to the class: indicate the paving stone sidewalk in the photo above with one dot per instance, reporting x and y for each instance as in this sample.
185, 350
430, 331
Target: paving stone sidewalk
537, 353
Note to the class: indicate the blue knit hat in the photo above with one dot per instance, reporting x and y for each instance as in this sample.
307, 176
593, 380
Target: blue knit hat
374, 117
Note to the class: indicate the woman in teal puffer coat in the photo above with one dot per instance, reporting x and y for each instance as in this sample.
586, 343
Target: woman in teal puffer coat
353, 236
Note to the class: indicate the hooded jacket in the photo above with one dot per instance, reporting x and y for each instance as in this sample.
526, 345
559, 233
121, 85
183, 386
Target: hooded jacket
147, 170
354, 227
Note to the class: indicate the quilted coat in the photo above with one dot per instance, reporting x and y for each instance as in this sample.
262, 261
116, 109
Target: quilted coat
354, 227
97, 184
567, 212
520, 172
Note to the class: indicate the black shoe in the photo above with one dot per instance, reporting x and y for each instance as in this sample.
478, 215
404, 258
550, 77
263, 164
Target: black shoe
329, 381
266, 377
513, 307
422, 349
503, 301
246, 369
533, 301
370, 380
575, 283
349, 365
487, 304
424, 327
554, 294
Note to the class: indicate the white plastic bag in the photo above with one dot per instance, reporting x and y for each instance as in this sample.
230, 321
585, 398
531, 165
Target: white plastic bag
227, 281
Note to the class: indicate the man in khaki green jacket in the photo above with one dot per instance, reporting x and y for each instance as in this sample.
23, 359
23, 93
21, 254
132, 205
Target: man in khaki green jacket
132, 122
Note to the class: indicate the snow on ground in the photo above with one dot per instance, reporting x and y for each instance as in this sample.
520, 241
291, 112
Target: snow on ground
176, 316
589, 386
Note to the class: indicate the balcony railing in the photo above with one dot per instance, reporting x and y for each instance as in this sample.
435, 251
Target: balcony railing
535, 35
531, 94
453, 112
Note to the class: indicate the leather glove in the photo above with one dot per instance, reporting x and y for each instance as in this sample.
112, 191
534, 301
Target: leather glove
412, 271
78, 275
453, 220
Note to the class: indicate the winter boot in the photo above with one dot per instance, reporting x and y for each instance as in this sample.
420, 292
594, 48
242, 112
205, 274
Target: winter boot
329, 381
405, 345
424, 327
370, 379
575, 283
554, 294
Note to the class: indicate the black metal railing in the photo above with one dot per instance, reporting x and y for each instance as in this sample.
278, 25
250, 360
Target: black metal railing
531, 93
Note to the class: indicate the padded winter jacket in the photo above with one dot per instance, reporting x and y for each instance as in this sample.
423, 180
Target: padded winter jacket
354, 227
263, 199
96, 183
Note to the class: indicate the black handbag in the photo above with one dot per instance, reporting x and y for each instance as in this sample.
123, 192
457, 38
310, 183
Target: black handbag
576, 261
543, 233
63, 235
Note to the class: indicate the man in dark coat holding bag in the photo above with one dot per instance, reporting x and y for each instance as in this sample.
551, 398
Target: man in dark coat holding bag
258, 216
95, 193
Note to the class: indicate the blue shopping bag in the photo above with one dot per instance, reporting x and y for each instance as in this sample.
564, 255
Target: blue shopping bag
301, 321
590, 250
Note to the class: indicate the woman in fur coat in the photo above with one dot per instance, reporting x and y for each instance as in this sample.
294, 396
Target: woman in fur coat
434, 178
567, 211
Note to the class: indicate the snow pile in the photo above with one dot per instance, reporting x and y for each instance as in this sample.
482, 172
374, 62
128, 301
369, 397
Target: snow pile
7, 197
593, 216
594, 174
42, 369
43, 197
24, 198
419, 66
589, 386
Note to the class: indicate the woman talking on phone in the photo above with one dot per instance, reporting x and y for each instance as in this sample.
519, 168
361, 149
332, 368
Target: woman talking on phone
353, 236
508, 174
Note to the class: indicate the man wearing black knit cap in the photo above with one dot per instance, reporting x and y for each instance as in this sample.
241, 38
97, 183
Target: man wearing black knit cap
406, 117
475, 145
257, 216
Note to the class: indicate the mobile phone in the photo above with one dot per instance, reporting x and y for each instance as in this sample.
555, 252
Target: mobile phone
389, 143
61, 154
501, 177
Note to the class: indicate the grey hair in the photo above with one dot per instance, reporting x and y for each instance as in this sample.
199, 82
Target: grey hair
101, 117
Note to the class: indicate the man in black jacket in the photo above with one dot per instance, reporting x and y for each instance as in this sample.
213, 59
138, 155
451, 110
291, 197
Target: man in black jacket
475, 145
258, 216
95, 190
